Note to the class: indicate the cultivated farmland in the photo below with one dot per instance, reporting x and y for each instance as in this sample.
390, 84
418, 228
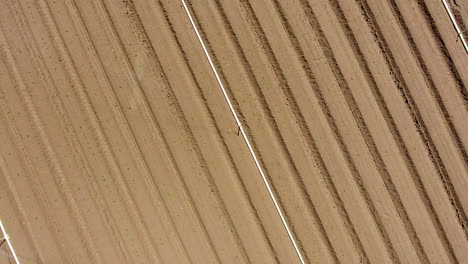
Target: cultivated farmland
117, 145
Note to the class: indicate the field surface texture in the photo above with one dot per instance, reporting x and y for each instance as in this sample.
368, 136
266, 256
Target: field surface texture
118, 146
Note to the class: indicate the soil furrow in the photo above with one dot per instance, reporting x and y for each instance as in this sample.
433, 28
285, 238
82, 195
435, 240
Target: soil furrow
21, 89
62, 55
65, 54
418, 122
21, 211
158, 134
301, 121
220, 138
268, 113
431, 85
253, 82
450, 164
436, 11
203, 33
304, 130
14, 224
393, 128
444, 50
71, 135
124, 123
151, 119
462, 218
425, 176
85, 167
148, 50
75, 80
38, 191
443, 170
56, 167
358, 118
459, 17
338, 136
156, 131
462, 9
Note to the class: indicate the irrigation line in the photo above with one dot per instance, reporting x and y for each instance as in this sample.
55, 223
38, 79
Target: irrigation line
455, 25
7, 238
244, 135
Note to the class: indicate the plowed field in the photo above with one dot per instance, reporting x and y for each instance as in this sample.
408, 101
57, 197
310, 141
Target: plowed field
117, 145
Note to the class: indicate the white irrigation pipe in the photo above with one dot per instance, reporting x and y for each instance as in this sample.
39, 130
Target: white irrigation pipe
239, 124
7, 238
454, 22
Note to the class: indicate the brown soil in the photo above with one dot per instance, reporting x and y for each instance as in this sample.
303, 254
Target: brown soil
117, 145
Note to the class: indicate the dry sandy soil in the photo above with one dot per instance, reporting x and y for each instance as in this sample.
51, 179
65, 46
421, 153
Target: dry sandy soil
117, 146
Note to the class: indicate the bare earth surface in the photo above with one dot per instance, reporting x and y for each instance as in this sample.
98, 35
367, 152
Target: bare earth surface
117, 146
